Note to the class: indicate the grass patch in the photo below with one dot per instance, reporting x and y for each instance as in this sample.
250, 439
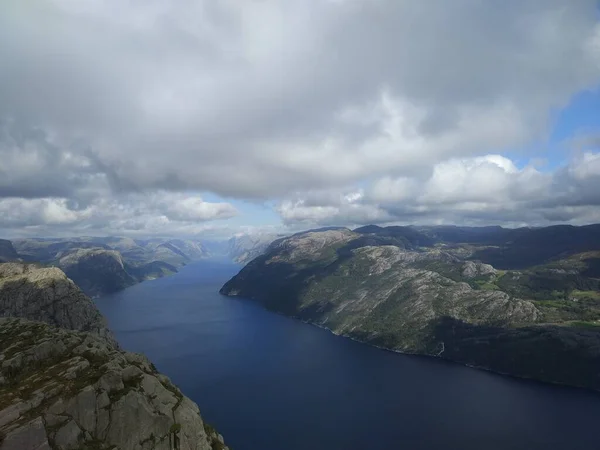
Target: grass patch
595, 295
486, 286
587, 325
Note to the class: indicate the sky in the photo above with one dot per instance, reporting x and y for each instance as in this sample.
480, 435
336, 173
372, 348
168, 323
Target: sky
214, 117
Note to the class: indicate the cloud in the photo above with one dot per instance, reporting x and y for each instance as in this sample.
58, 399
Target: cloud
477, 191
159, 213
278, 100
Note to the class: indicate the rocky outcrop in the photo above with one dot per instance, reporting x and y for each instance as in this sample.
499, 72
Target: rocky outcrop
96, 271
66, 384
105, 265
46, 294
63, 389
7, 251
244, 247
415, 299
471, 269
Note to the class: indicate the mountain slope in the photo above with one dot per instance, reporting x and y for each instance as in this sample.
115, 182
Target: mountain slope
64, 388
103, 265
245, 247
47, 295
95, 270
425, 300
7, 251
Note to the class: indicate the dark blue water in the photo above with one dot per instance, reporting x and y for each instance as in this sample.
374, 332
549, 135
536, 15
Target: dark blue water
268, 382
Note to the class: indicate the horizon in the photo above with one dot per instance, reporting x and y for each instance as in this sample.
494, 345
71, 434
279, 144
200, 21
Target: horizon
203, 119
201, 238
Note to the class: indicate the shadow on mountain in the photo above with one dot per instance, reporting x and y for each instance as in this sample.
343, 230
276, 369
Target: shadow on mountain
565, 355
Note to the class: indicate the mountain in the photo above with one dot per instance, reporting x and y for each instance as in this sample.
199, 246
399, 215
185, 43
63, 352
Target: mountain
521, 247
45, 294
7, 251
96, 270
245, 247
408, 290
102, 265
65, 383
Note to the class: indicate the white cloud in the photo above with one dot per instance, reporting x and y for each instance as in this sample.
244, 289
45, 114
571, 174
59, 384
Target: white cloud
479, 190
158, 213
298, 102
585, 167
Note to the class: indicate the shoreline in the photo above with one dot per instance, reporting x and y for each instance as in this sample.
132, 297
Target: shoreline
425, 355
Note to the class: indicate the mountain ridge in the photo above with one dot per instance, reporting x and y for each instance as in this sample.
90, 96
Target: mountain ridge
383, 287
66, 384
101, 266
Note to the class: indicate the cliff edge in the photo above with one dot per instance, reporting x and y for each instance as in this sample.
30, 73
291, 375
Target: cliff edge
66, 384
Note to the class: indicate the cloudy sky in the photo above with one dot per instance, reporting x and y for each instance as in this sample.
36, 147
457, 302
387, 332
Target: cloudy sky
208, 117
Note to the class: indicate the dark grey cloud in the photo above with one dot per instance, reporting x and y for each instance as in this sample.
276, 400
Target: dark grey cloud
160, 212
275, 100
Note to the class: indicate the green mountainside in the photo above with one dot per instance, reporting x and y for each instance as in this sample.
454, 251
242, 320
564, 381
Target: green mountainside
435, 291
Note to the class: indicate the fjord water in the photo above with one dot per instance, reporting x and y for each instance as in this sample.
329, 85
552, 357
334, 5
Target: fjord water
268, 382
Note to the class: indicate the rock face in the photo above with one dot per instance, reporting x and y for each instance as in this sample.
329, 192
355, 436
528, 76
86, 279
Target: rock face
63, 389
7, 251
47, 295
105, 265
66, 384
96, 270
398, 289
245, 247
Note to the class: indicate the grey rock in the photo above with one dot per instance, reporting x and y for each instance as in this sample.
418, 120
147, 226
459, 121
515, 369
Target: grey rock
131, 372
116, 400
244, 247
69, 436
133, 420
82, 408
473, 269
111, 382
7, 251
104, 265
31, 436
102, 400
425, 300
10, 414
53, 420
47, 295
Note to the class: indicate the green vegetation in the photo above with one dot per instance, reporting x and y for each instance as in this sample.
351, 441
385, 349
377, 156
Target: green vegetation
213, 436
485, 285
593, 295
589, 325
524, 319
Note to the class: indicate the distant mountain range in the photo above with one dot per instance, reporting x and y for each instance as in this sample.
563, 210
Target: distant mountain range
7, 251
242, 248
522, 301
101, 265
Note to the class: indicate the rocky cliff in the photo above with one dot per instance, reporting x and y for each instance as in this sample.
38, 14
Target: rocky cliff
96, 271
400, 290
105, 265
65, 383
63, 389
45, 294
245, 247
7, 251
